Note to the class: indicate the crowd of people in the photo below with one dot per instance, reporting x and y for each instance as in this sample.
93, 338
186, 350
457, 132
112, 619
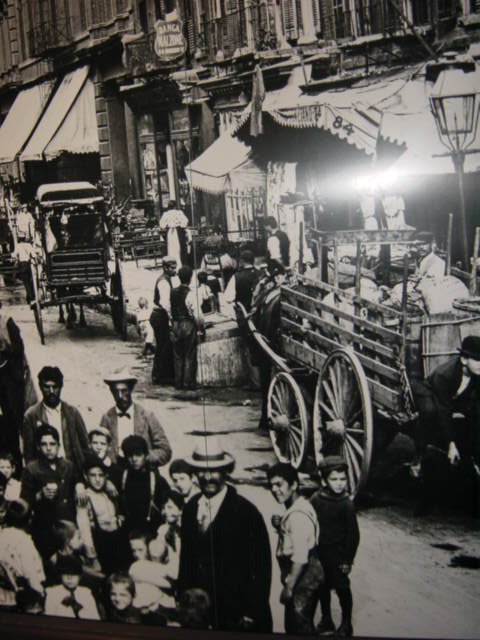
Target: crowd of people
101, 524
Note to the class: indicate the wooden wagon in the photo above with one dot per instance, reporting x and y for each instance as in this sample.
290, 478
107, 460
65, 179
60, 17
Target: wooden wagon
340, 365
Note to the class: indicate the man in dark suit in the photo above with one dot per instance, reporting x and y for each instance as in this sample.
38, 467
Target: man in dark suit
52, 410
225, 549
448, 403
129, 418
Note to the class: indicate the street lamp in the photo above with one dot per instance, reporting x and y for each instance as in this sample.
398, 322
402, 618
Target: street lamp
454, 103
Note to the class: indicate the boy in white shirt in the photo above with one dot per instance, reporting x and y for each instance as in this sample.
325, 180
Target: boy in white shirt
68, 599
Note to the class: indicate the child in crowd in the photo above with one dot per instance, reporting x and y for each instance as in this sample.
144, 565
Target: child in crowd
165, 548
206, 297
69, 599
7, 467
153, 592
121, 591
29, 601
143, 489
98, 519
48, 486
70, 543
144, 327
100, 440
19, 559
194, 609
183, 479
339, 538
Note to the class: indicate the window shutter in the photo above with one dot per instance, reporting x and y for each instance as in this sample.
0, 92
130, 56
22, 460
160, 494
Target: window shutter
289, 19
316, 16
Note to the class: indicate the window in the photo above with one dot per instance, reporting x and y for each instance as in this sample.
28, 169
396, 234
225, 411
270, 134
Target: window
101, 11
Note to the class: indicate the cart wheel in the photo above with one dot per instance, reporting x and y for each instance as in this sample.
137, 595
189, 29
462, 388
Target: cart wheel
342, 415
35, 303
119, 305
288, 419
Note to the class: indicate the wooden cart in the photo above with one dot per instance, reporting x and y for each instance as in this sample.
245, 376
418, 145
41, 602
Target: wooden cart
341, 364
73, 268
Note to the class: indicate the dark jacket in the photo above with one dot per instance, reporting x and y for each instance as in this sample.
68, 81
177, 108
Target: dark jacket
231, 561
339, 533
245, 281
443, 384
179, 309
284, 246
74, 433
37, 473
145, 424
142, 496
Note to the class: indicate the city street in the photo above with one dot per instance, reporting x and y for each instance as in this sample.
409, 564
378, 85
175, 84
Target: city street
402, 583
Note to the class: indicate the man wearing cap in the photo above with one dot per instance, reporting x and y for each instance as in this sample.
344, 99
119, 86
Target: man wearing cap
452, 388
162, 370
128, 418
225, 548
54, 411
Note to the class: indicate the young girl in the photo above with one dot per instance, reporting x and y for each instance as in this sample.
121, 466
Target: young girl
144, 327
98, 519
121, 591
68, 599
165, 548
70, 543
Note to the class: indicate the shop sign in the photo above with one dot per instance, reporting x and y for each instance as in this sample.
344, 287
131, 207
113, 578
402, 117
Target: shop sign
170, 42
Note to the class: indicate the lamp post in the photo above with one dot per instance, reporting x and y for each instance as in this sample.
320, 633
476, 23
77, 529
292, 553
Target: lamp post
455, 105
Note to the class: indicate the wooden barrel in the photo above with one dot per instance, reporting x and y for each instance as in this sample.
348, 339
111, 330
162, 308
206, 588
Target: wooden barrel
223, 358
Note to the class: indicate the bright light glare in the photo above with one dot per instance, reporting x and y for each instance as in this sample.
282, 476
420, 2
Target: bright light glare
373, 182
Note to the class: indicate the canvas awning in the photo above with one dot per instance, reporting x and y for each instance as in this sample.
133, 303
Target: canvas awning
21, 120
55, 114
349, 113
407, 120
78, 133
210, 171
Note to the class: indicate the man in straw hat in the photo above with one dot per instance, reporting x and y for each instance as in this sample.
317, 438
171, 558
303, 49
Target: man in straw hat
448, 403
128, 418
224, 546
162, 370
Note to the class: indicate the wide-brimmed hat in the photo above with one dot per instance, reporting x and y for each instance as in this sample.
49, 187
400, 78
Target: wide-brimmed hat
120, 375
210, 455
471, 347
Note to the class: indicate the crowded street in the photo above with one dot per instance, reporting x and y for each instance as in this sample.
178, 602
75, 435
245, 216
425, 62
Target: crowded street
403, 580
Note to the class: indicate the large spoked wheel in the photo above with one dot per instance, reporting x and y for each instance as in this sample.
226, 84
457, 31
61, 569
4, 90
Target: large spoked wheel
288, 419
343, 416
35, 304
119, 304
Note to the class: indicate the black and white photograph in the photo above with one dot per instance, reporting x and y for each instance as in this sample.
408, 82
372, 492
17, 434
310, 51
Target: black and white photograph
240, 317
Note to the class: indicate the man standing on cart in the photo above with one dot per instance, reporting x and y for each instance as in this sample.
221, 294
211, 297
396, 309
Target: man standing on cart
448, 426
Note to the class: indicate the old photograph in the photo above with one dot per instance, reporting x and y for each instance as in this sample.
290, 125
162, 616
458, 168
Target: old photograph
240, 315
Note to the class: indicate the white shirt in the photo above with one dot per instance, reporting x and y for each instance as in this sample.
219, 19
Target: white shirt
54, 606
54, 419
273, 248
19, 556
209, 507
164, 288
298, 531
124, 426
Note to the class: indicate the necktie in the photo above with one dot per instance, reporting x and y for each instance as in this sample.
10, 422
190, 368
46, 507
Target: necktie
123, 414
70, 601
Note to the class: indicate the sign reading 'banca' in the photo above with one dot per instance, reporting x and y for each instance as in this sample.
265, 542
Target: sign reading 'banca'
170, 42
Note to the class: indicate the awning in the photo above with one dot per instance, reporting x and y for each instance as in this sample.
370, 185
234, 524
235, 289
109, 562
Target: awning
408, 121
350, 114
210, 171
78, 133
55, 114
21, 120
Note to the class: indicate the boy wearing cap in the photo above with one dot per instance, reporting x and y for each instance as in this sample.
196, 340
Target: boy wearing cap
143, 491
98, 518
128, 418
452, 388
338, 543
68, 599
